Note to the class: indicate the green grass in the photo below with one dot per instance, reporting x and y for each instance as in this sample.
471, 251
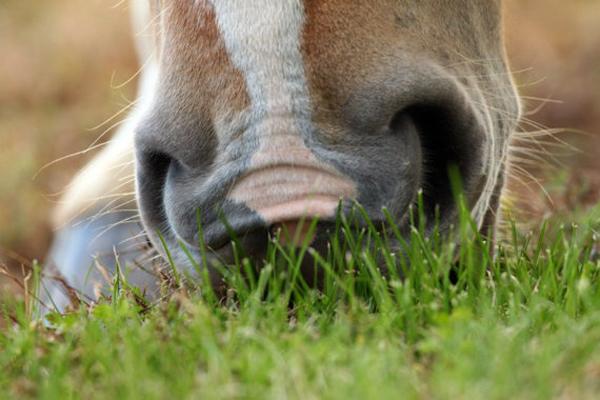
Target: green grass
459, 324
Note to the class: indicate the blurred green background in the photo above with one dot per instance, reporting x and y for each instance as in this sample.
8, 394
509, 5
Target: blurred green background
63, 62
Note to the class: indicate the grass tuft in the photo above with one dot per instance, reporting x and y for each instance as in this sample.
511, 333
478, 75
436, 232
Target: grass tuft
416, 317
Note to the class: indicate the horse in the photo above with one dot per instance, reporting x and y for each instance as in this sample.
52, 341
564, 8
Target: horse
271, 112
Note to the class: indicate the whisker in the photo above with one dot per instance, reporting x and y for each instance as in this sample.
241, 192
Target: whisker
109, 129
117, 114
124, 221
515, 168
135, 75
133, 238
90, 204
72, 155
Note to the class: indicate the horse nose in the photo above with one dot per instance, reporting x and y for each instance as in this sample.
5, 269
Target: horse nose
281, 190
285, 181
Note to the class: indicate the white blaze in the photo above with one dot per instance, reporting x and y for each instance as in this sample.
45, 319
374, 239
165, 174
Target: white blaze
263, 40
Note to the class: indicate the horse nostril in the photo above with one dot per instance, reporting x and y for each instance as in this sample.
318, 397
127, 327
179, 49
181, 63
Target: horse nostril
401, 122
448, 138
152, 170
155, 163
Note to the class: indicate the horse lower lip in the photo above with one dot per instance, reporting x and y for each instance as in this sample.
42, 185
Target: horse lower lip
295, 233
249, 237
305, 208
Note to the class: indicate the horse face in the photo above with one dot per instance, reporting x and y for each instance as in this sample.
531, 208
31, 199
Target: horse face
268, 112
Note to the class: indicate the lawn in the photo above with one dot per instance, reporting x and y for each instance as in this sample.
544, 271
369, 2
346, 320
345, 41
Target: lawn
456, 324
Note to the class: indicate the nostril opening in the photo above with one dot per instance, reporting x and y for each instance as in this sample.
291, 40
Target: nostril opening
153, 167
446, 140
155, 162
402, 122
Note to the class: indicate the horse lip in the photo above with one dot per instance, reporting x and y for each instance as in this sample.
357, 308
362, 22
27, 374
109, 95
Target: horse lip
253, 239
217, 236
222, 238
283, 192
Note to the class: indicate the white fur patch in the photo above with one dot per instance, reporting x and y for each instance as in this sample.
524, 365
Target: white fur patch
263, 39
285, 181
